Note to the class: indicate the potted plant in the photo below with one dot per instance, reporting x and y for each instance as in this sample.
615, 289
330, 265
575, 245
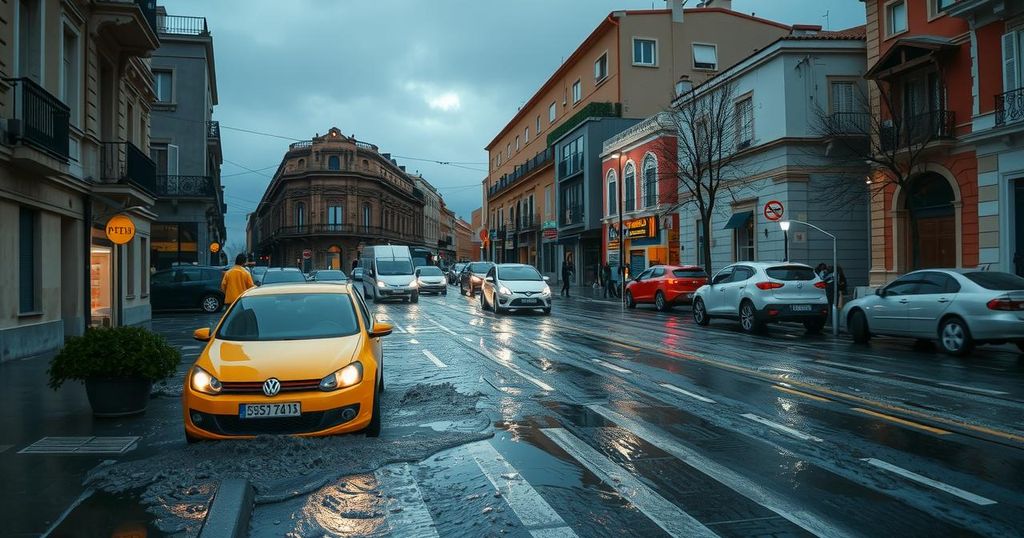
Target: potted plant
118, 366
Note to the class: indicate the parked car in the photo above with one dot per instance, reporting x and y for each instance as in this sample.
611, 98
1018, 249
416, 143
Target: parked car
187, 287
329, 275
330, 382
431, 279
278, 275
515, 286
258, 272
756, 293
454, 271
472, 277
958, 308
665, 286
357, 274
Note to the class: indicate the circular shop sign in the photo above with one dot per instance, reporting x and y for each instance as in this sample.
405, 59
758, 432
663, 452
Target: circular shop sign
120, 229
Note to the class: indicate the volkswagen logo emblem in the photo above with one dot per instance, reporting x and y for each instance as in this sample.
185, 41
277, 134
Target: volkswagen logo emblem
271, 387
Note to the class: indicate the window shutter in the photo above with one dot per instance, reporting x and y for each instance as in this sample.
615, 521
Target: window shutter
1011, 71
842, 97
172, 160
26, 260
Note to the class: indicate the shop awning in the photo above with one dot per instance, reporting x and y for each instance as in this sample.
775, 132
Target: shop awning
739, 220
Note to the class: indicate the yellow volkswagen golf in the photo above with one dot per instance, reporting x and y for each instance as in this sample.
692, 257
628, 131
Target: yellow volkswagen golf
296, 359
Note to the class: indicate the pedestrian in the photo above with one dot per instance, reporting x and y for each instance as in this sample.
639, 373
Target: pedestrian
820, 270
841, 277
355, 263
567, 273
236, 280
606, 277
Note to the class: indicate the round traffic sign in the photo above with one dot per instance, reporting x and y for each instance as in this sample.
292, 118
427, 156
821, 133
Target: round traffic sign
214, 247
120, 229
483, 235
773, 210
307, 254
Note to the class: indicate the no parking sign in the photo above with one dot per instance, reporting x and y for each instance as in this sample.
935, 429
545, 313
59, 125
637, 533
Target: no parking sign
774, 210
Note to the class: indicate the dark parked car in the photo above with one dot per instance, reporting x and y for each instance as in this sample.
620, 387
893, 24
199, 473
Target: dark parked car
329, 275
453, 272
277, 275
471, 278
187, 287
258, 272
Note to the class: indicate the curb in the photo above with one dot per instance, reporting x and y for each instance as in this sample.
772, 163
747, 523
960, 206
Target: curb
230, 511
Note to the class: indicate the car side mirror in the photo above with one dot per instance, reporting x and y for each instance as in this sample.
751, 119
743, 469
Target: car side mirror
547, 278
380, 328
489, 279
880, 292
203, 335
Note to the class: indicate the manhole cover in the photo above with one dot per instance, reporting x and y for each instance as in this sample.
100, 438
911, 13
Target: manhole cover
81, 445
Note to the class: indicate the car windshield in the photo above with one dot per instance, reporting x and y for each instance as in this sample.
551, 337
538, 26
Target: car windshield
257, 271
274, 277
394, 266
459, 267
331, 274
995, 280
790, 272
688, 273
480, 267
430, 270
518, 273
290, 316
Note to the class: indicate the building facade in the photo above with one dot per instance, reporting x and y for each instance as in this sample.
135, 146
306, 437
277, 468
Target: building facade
465, 248
185, 145
627, 67
74, 115
446, 244
432, 204
330, 197
478, 233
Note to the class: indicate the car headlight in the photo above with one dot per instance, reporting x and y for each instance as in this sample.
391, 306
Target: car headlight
546, 291
504, 291
203, 382
413, 284
346, 377
381, 284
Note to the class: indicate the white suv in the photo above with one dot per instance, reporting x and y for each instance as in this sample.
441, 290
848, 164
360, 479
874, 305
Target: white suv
756, 293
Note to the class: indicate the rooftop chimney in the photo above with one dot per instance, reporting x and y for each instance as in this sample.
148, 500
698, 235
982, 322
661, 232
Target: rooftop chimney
683, 85
677, 9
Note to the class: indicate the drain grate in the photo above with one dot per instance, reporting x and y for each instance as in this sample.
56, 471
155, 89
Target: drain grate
81, 445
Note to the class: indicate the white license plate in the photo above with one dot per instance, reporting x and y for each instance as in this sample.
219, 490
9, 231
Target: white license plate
800, 308
270, 410
528, 301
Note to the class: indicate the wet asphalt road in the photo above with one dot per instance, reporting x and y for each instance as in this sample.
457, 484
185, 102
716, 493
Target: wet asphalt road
639, 423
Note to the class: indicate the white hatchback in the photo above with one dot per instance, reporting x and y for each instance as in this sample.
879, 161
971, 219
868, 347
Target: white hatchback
515, 286
756, 293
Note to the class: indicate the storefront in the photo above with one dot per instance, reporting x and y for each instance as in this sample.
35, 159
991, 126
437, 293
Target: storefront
119, 269
647, 241
101, 280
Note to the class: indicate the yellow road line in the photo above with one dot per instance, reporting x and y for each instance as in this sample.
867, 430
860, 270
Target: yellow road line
898, 420
801, 393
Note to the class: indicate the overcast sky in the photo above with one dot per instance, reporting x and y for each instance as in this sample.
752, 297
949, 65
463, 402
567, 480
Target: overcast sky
433, 80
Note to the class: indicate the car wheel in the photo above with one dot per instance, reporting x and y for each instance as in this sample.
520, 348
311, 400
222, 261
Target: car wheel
660, 303
630, 302
373, 429
748, 318
415, 297
700, 312
483, 304
547, 311
858, 326
955, 338
814, 326
210, 304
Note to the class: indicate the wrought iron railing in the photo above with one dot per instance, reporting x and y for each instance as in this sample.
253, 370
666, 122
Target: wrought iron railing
359, 230
851, 123
572, 214
527, 223
213, 130
44, 119
1010, 106
541, 158
185, 186
366, 145
122, 162
919, 129
182, 25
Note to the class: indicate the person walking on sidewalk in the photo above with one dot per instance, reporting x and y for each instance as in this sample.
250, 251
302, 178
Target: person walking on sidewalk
606, 277
566, 276
236, 280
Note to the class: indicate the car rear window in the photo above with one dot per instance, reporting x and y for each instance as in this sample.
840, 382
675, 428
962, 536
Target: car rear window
791, 272
480, 267
274, 277
330, 275
290, 316
995, 280
688, 273
430, 270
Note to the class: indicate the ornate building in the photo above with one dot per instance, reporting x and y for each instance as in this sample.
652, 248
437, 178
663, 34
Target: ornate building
332, 196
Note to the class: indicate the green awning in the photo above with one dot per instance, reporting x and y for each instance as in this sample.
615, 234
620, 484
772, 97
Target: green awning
739, 220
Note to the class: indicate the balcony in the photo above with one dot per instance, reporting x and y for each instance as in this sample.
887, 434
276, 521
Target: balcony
180, 25
185, 187
122, 162
42, 119
213, 130
1010, 107
572, 215
540, 159
527, 223
356, 230
570, 166
129, 23
919, 129
847, 123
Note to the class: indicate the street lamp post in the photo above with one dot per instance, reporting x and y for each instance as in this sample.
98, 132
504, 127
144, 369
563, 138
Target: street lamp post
785, 224
622, 268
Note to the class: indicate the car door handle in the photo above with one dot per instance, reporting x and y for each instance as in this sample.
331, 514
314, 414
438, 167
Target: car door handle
903, 301
943, 300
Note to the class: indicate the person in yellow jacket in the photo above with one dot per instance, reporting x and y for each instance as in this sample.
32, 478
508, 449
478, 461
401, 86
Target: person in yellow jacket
236, 280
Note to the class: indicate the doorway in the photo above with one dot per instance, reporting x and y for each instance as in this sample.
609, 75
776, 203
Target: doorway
932, 222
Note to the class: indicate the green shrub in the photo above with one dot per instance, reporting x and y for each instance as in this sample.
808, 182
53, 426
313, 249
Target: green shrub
128, 352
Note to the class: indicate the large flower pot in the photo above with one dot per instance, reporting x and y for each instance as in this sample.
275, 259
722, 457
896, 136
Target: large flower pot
117, 397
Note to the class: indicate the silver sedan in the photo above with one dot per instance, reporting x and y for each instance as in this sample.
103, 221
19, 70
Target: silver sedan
959, 308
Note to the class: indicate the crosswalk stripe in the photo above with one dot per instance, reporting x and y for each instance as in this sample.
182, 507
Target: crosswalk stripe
666, 515
443, 328
952, 490
533, 511
685, 392
407, 514
611, 366
722, 474
434, 359
781, 427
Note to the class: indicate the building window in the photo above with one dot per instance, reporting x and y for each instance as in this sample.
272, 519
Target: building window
508, 150
30, 48
645, 52
69, 82
1011, 60
517, 143
577, 92
629, 184
699, 228
552, 110
650, 185
547, 202
526, 135
144, 253
744, 123
572, 158
163, 84
333, 163
335, 217
743, 236
366, 215
705, 56
28, 260
896, 17
601, 68
538, 125
843, 96
942, 5
613, 193
174, 243
300, 215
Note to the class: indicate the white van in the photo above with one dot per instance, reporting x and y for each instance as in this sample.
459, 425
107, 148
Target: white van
388, 273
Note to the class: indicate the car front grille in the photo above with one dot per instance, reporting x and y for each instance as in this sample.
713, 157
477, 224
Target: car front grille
256, 387
309, 422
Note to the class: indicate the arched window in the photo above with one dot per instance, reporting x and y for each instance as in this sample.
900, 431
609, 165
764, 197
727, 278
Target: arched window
650, 186
366, 215
300, 215
629, 183
613, 194
333, 163
302, 163
366, 164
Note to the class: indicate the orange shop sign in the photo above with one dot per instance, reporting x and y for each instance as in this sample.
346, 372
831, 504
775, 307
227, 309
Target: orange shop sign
120, 229
643, 228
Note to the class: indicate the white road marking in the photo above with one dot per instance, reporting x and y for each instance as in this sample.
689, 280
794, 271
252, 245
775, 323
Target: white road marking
185, 348
782, 428
966, 495
674, 388
413, 341
533, 511
851, 367
60, 519
549, 346
722, 474
611, 366
466, 338
508, 365
434, 359
974, 389
663, 513
443, 328
407, 514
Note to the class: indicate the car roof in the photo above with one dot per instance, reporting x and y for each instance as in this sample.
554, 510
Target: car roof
768, 265
298, 287
514, 265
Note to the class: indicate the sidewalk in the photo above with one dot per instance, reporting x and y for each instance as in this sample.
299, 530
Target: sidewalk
584, 292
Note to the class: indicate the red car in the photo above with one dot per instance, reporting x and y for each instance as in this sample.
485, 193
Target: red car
665, 285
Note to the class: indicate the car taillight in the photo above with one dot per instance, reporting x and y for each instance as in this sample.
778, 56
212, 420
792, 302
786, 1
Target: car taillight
1005, 303
673, 282
820, 284
769, 285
